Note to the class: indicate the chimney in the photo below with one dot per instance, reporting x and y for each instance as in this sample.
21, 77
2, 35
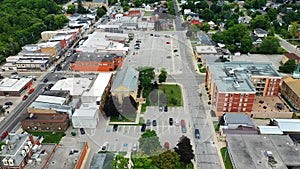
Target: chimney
31, 139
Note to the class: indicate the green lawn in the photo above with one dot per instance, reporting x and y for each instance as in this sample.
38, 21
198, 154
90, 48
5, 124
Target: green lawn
173, 94
227, 163
49, 137
128, 119
148, 13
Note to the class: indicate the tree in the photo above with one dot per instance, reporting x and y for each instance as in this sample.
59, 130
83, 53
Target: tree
162, 76
138, 3
146, 76
119, 162
260, 21
206, 27
294, 29
207, 14
143, 163
100, 12
189, 34
272, 13
80, 8
288, 66
166, 160
270, 45
184, 149
149, 142
71, 9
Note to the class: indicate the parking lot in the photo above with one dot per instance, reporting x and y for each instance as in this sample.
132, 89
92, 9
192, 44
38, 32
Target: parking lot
157, 50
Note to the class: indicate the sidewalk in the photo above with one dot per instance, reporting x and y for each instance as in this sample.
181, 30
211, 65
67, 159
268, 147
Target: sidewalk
219, 144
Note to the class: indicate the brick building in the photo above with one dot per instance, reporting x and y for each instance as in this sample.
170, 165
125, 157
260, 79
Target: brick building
232, 87
45, 122
18, 150
97, 62
291, 92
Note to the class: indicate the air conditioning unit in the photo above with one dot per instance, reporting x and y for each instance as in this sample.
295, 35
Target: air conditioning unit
29, 144
4, 161
11, 162
23, 152
27, 149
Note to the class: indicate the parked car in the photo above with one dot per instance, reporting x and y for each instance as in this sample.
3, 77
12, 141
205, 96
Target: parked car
182, 122
171, 121
143, 127
167, 145
31, 91
134, 147
104, 147
154, 123
148, 123
166, 108
183, 129
161, 108
197, 133
8, 103
50, 85
177, 123
24, 97
82, 131
45, 80
115, 127
5, 106
156, 35
4, 134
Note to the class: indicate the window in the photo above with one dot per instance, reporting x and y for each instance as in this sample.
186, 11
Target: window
225, 104
226, 99
245, 104
224, 109
226, 94
244, 109
246, 99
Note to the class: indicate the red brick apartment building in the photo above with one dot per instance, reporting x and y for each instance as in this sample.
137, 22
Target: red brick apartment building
232, 87
97, 62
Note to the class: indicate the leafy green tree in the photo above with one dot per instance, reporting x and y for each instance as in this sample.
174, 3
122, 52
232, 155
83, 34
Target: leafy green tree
260, 21
71, 9
288, 66
185, 150
272, 13
146, 76
149, 142
206, 27
294, 29
162, 77
138, 3
207, 14
100, 12
167, 160
270, 45
119, 162
80, 8
143, 163
60, 20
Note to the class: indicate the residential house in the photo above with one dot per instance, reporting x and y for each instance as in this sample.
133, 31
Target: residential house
94, 4
289, 56
258, 36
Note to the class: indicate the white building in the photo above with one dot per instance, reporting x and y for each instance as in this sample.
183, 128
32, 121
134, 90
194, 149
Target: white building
87, 116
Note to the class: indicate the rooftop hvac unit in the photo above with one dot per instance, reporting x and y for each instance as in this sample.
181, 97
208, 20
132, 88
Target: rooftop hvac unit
27, 149
23, 152
4, 161
29, 144
11, 162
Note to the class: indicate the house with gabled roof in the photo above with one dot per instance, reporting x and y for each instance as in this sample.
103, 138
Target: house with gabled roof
125, 83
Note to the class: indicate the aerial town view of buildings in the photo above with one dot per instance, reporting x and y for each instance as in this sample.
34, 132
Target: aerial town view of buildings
150, 84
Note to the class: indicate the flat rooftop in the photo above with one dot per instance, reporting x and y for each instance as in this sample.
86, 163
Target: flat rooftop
55, 117
99, 85
76, 86
42, 154
51, 99
8, 84
265, 104
250, 151
206, 50
235, 76
97, 57
62, 158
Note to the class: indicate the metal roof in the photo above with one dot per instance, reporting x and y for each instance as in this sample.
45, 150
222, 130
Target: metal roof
127, 77
270, 130
237, 118
288, 125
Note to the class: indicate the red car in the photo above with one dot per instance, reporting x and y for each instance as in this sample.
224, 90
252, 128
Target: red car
4, 134
168, 43
182, 122
24, 97
31, 91
167, 145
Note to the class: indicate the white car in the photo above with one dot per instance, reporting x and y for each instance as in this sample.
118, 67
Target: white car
5, 107
177, 123
104, 147
134, 147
